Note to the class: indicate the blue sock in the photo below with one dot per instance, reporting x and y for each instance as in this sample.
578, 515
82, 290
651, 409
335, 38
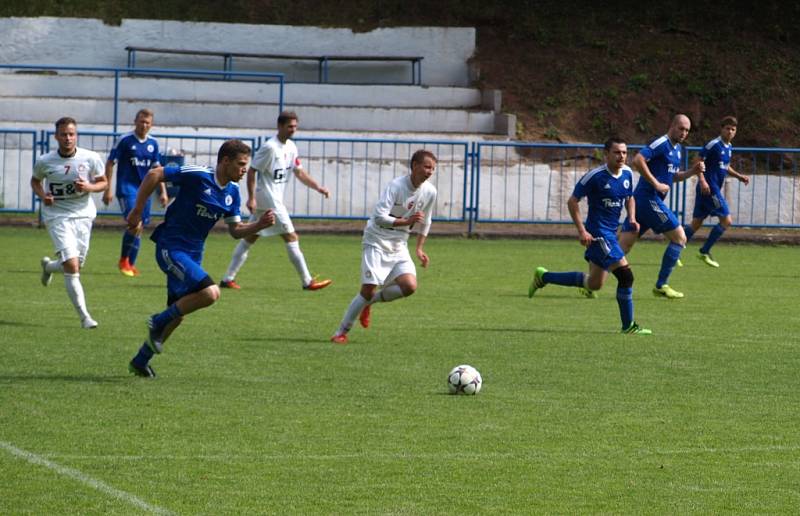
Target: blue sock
668, 262
625, 302
133, 251
143, 356
567, 279
712, 238
161, 320
127, 243
689, 232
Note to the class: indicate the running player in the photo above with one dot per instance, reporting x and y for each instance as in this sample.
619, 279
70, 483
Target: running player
709, 199
63, 179
136, 153
606, 189
659, 165
205, 196
405, 205
266, 181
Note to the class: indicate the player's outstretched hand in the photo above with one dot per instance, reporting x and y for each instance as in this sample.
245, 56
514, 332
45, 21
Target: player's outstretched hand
745, 180
324, 191
423, 258
267, 219
134, 220
108, 197
699, 167
585, 238
662, 188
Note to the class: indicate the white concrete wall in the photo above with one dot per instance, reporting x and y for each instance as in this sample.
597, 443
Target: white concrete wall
78, 42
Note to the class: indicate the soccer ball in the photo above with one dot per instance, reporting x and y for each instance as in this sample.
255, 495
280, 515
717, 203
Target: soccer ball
464, 379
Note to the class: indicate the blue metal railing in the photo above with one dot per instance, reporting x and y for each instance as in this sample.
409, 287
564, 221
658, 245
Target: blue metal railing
163, 72
477, 182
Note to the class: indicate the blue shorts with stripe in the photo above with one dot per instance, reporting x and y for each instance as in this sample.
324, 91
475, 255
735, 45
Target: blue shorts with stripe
652, 214
184, 273
708, 205
604, 250
127, 202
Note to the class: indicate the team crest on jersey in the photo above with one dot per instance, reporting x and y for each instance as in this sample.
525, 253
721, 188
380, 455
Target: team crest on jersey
410, 205
82, 167
228, 200
626, 184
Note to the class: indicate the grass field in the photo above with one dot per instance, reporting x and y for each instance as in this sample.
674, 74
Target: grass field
254, 411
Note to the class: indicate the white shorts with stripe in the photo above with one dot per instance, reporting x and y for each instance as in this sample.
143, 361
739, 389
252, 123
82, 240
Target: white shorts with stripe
379, 267
71, 237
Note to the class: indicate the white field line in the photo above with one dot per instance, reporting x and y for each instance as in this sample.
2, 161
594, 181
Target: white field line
81, 477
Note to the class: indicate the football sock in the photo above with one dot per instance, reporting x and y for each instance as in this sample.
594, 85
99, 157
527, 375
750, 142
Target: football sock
133, 253
127, 243
387, 294
54, 266
143, 356
75, 293
356, 305
712, 238
299, 261
237, 260
567, 279
689, 232
668, 261
625, 302
161, 320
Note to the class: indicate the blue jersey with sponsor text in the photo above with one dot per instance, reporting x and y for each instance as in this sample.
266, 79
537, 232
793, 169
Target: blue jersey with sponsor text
717, 156
664, 161
134, 158
606, 195
200, 203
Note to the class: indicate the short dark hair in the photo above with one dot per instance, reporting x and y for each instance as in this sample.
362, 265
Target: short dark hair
285, 116
144, 112
232, 148
729, 120
614, 140
420, 155
65, 120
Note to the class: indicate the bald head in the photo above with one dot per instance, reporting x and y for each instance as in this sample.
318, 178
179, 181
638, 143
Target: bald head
679, 128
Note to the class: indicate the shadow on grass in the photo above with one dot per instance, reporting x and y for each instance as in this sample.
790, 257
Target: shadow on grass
560, 331
59, 377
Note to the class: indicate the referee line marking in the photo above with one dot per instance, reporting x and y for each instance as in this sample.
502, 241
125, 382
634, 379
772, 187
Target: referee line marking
82, 478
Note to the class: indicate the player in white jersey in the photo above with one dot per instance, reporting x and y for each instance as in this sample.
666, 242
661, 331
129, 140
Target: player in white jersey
405, 206
63, 180
266, 182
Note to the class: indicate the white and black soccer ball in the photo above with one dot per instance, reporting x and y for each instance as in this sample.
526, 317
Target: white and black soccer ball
464, 379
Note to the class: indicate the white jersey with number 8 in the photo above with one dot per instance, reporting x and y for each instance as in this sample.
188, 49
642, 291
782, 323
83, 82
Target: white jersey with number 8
275, 162
59, 175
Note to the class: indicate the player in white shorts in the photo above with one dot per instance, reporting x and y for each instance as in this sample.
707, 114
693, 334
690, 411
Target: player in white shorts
63, 180
405, 206
266, 181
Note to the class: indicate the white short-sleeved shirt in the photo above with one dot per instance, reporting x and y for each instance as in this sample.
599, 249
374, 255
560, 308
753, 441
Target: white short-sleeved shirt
399, 200
275, 162
59, 175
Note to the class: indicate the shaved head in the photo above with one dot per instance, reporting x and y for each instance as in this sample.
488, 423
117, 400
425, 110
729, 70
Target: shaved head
679, 128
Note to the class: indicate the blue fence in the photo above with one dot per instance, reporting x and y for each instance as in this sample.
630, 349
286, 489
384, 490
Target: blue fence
158, 72
478, 182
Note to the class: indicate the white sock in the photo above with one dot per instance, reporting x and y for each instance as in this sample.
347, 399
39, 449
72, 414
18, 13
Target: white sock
75, 293
299, 261
387, 294
237, 260
356, 305
54, 266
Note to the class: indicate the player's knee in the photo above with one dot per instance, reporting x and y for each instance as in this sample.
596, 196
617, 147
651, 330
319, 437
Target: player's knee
725, 222
408, 286
624, 276
594, 283
212, 294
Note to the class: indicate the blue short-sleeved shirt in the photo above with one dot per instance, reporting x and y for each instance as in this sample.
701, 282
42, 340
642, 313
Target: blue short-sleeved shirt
200, 203
664, 161
134, 158
717, 156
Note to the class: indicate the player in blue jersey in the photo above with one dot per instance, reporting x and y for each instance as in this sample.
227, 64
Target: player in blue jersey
709, 199
135, 153
205, 196
607, 189
659, 165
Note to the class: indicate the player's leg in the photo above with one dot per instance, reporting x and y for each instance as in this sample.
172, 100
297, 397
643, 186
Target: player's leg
71, 237
668, 225
622, 271
359, 303
375, 268
292, 241
542, 277
240, 254
722, 211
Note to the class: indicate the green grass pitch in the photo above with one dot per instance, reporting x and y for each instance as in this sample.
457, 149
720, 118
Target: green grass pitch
255, 411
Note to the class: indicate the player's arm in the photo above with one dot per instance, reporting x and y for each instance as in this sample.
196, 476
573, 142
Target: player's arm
698, 168
98, 183
738, 175
241, 229
46, 197
420, 250
305, 178
640, 164
251, 189
146, 188
630, 209
574, 208
701, 179
108, 196
382, 214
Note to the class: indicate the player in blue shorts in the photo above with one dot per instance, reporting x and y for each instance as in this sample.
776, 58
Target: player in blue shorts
709, 199
607, 189
206, 195
135, 153
659, 165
